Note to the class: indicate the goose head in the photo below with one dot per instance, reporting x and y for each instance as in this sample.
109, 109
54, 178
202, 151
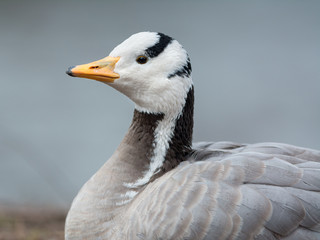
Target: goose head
150, 68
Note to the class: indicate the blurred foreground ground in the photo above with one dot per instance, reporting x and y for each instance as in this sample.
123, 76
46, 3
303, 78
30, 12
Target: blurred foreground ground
31, 223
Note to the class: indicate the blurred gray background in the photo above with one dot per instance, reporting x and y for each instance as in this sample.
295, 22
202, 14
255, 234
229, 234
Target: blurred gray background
256, 69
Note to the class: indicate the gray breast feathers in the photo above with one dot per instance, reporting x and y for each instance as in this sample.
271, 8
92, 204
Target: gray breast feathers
232, 191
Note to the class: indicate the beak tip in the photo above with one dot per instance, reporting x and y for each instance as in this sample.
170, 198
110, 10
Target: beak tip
69, 71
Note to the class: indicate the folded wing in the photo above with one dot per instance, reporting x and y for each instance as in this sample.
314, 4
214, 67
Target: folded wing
233, 191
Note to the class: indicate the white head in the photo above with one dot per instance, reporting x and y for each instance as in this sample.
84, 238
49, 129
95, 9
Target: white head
152, 69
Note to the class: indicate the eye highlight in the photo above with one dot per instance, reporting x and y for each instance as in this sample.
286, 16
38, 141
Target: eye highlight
142, 59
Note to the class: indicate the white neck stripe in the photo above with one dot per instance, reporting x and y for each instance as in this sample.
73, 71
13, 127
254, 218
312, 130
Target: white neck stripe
162, 136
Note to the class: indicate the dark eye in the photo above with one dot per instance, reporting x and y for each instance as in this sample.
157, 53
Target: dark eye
142, 59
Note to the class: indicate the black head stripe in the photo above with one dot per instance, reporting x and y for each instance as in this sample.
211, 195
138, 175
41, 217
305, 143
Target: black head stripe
184, 71
158, 48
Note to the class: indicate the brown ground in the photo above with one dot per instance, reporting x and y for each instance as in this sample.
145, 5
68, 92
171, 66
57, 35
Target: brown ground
31, 224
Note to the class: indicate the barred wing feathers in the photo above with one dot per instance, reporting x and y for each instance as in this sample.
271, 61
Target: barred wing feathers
232, 191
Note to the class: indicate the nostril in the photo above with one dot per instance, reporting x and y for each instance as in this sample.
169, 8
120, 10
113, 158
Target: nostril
93, 67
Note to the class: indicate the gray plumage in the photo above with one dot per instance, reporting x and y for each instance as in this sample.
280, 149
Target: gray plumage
260, 191
219, 190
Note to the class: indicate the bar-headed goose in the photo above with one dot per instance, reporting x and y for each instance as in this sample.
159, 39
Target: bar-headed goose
157, 185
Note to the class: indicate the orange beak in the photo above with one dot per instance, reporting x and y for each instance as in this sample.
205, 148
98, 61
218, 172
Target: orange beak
101, 70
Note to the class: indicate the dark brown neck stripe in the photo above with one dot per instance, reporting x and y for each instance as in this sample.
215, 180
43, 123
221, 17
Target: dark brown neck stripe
141, 137
181, 142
